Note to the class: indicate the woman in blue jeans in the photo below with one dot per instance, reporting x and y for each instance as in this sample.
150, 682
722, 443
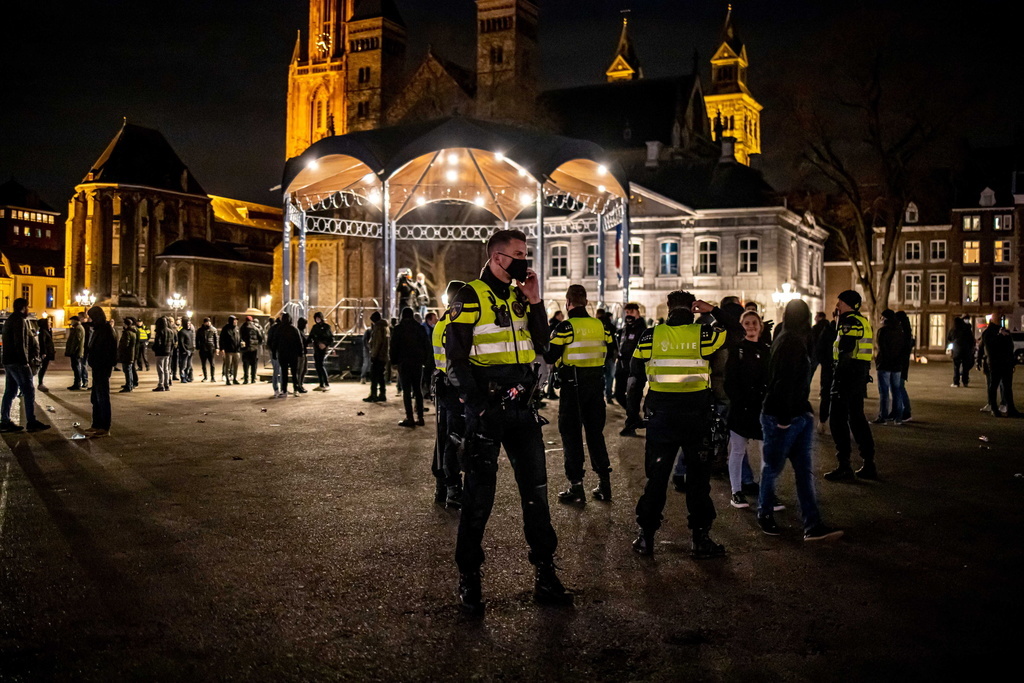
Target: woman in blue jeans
788, 425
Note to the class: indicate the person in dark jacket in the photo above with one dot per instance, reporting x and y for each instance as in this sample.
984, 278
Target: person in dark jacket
996, 358
746, 375
409, 345
46, 351
322, 339
889, 367
288, 341
186, 347
164, 342
126, 354
102, 354
823, 356
962, 339
231, 347
910, 344
74, 349
611, 359
252, 339
788, 425
378, 350
275, 364
206, 344
20, 352
633, 325
303, 359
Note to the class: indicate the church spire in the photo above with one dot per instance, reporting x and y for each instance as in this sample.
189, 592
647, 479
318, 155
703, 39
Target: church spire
733, 111
625, 65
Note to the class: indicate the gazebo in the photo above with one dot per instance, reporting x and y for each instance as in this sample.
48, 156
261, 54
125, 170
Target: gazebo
394, 171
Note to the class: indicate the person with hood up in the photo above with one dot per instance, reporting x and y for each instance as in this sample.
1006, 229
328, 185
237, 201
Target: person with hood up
889, 367
231, 347
275, 364
20, 352
378, 348
74, 349
46, 350
252, 339
322, 338
788, 425
126, 354
102, 354
288, 341
409, 345
962, 339
164, 342
186, 347
206, 343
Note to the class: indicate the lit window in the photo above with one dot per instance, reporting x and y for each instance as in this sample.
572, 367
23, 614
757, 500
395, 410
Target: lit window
26, 270
749, 255
707, 257
50, 271
39, 232
972, 222
560, 260
937, 288
1003, 222
1001, 289
912, 251
17, 230
972, 290
1002, 251
937, 330
972, 251
669, 263
938, 250
51, 297
591, 260
3, 212
636, 266
48, 234
26, 293
912, 288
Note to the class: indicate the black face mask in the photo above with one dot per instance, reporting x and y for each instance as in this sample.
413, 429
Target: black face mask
630, 319
517, 269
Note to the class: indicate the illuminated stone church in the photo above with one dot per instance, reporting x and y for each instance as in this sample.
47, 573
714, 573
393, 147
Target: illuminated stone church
350, 71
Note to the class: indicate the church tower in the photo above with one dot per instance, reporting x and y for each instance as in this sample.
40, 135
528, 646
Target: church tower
316, 77
730, 106
507, 59
625, 65
376, 53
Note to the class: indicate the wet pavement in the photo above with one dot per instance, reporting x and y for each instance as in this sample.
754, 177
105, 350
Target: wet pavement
218, 534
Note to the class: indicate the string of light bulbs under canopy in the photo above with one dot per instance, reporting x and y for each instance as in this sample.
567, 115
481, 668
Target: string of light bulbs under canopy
502, 169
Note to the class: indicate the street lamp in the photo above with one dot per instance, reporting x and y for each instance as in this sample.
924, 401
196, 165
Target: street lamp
85, 298
176, 302
786, 295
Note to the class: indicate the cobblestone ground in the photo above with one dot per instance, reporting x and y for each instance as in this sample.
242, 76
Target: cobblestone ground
222, 535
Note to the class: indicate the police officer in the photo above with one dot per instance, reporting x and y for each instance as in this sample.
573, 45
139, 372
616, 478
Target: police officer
449, 415
579, 345
851, 355
491, 342
674, 357
633, 325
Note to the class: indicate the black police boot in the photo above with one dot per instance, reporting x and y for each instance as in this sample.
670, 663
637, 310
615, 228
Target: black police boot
842, 473
703, 547
868, 471
573, 494
644, 543
547, 588
470, 593
453, 498
603, 492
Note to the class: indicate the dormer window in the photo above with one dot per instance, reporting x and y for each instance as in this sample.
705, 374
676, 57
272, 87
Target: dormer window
26, 270
912, 213
988, 197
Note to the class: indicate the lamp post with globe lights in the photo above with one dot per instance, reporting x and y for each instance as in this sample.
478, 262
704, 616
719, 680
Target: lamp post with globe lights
177, 303
85, 298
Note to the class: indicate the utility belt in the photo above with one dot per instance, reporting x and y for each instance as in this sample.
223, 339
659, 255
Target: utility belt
510, 397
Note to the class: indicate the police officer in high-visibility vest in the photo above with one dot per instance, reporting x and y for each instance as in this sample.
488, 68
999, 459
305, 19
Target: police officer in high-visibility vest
851, 354
494, 334
449, 415
579, 345
674, 357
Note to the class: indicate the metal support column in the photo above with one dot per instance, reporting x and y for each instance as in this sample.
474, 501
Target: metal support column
286, 251
387, 298
302, 267
538, 258
625, 248
602, 227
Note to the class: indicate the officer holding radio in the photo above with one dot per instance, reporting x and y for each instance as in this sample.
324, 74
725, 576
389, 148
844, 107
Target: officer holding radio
495, 332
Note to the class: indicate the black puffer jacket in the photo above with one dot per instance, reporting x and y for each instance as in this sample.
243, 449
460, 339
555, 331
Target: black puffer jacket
746, 377
891, 347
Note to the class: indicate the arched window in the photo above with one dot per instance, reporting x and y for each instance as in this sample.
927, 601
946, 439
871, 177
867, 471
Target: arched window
313, 286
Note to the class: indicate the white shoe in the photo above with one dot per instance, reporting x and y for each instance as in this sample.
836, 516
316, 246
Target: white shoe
954, 386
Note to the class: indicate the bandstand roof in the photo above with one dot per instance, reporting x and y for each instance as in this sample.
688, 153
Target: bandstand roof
494, 166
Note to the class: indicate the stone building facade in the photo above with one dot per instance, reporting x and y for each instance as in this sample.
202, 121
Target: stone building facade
31, 252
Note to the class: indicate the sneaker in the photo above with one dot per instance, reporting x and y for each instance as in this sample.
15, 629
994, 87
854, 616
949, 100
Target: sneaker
74, 388
318, 388
954, 386
603, 491
628, 431
841, 473
470, 593
879, 420
768, 525
644, 543
327, 387
986, 409
778, 507
406, 423
573, 494
37, 426
420, 422
453, 498
547, 588
868, 471
702, 546
907, 418
234, 381
43, 387
125, 390
98, 433
738, 500
7, 426
822, 533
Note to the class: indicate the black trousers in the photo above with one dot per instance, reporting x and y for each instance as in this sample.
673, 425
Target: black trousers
581, 408
377, 379
825, 392
409, 374
100, 398
669, 430
519, 432
318, 362
249, 359
848, 416
1001, 379
450, 416
289, 364
962, 369
206, 357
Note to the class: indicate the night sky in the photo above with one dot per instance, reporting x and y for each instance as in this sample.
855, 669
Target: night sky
211, 76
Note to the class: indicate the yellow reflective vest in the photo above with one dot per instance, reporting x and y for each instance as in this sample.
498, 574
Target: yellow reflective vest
586, 342
440, 361
858, 327
676, 356
500, 332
